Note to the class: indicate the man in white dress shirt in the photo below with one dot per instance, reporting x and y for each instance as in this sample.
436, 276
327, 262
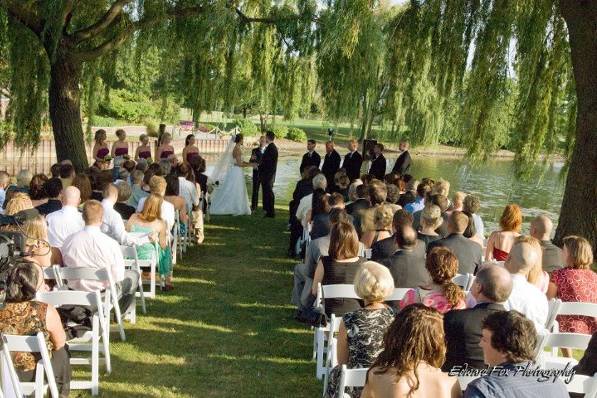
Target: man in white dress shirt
91, 248
113, 224
319, 182
526, 297
157, 185
66, 221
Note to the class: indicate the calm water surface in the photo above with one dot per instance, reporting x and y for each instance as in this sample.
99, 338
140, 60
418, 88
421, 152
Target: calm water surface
493, 182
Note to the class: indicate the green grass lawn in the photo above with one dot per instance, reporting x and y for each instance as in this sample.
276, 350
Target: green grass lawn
226, 330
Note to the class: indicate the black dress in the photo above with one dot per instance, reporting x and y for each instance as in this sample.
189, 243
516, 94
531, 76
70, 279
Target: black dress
338, 272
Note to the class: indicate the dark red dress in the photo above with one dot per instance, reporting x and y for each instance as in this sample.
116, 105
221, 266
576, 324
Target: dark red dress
576, 285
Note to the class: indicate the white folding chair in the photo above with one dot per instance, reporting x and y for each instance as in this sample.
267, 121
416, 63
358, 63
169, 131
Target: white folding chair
398, 294
567, 340
581, 384
32, 344
90, 341
51, 272
331, 357
462, 280
174, 241
111, 296
179, 237
351, 378
131, 260
554, 304
9, 380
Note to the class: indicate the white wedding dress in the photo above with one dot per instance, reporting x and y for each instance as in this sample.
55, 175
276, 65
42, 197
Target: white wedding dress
230, 195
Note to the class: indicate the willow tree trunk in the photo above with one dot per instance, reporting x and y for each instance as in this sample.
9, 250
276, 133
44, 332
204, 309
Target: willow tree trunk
578, 215
65, 111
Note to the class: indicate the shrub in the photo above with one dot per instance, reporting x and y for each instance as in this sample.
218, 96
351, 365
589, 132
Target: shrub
151, 128
296, 134
247, 127
280, 131
102, 121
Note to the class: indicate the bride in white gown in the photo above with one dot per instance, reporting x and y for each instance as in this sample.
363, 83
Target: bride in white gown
230, 197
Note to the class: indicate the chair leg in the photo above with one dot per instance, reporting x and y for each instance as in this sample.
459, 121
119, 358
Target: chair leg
39, 381
319, 358
95, 360
119, 321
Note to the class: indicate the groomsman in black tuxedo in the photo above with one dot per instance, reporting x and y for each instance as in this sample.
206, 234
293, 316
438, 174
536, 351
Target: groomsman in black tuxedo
256, 155
331, 163
403, 162
267, 173
378, 163
311, 158
353, 161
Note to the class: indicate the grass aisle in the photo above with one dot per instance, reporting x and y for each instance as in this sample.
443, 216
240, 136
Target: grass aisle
227, 328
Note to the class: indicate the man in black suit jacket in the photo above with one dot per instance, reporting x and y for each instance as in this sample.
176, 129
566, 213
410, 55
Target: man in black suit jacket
331, 163
407, 265
491, 288
469, 253
402, 164
378, 164
311, 158
256, 155
267, 173
353, 161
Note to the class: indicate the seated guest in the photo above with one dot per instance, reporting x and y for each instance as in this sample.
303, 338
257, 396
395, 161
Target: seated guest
83, 183
341, 183
53, 188
469, 253
22, 315
431, 219
320, 214
339, 266
393, 195
17, 202
378, 194
359, 206
384, 248
470, 232
500, 242
4, 184
149, 222
458, 202
122, 206
158, 185
536, 275
541, 228
91, 248
588, 363
66, 221
361, 333
382, 219
100, 181
441, 293
304, 187
189, 190
358, 197
137, 192
37, 249
508, 340
526, 297
423, 190
471, 205
173, 196
303, 273
407, 264
440, 187
410, 190
409, 365
112, 222
306, 203
67, 173
37, 193
577, 282
440, 201
491, 288
23, 180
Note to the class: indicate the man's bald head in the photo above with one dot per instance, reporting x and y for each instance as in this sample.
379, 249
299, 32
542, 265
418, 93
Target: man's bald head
541, 227
494, 283
523, 256
71, 196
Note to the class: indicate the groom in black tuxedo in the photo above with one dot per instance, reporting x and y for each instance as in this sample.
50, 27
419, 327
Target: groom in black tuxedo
267, 173
256, 155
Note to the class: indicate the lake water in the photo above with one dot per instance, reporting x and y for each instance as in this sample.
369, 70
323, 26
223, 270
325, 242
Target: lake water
493, 182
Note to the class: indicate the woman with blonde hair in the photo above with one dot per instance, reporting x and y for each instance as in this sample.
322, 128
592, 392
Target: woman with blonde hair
431, 220
150, 221
536, 275
382, 220
18, 202
409, 365
120, 148
441, 294
500, 242
37, 247
165, 150
360, 338
100, 148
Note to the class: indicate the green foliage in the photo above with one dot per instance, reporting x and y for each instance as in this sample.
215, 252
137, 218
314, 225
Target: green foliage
247, 127
280, 130
126, 105
296, 134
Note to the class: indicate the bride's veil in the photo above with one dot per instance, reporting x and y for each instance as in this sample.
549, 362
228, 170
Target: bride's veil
224, 162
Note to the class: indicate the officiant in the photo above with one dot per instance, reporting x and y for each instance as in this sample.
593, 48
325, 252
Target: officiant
256, 155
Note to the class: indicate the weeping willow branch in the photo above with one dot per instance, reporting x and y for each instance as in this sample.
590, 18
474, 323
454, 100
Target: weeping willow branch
100, 26
19, 10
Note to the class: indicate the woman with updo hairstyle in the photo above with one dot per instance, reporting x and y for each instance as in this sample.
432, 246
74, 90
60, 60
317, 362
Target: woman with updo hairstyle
37, 192
120, 148
500, 242
18, 202
83, 183
431, 220
165, 150
409, 365
143, 151
100, 148
360, 338
382, 221
441, 293
22, 315
190, 150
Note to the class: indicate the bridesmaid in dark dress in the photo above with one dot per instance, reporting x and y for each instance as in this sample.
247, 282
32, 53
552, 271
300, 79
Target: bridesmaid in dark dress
120, 148
339, 267
165, 150
190, 150
144, 150
100, 148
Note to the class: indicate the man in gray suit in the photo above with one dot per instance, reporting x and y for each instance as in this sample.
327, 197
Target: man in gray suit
407, 264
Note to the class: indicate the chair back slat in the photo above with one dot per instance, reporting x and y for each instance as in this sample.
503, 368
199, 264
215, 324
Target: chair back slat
352, 378
570, 340
398, 294
339, 291
577, 308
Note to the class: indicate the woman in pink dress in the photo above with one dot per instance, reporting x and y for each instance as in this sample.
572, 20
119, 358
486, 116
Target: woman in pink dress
500, 242
120, 148
165, 150
100, 148
441, 294
575, 283
143, 150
